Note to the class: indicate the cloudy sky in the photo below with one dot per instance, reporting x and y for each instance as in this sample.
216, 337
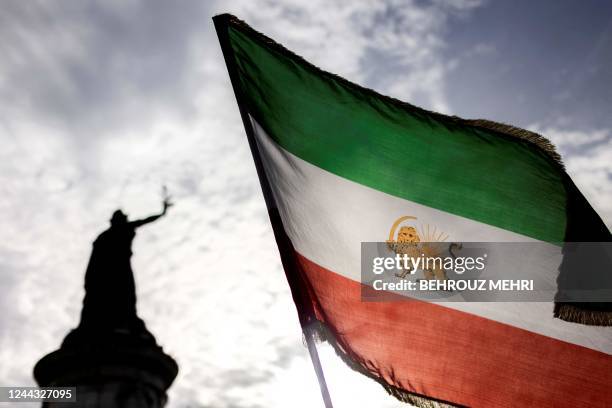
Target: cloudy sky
103, 102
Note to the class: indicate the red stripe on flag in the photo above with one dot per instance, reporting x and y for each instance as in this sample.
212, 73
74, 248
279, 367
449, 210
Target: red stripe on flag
455, 356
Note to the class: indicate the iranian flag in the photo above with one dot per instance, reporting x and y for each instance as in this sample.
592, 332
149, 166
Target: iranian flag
340, 164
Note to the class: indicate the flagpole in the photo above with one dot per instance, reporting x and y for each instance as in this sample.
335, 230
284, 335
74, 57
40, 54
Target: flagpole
314, 357
305, 309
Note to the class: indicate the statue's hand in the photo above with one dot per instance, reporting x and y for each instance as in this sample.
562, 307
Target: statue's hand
167, 204
167, 198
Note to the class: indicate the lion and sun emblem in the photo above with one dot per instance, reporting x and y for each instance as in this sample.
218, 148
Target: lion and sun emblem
416, 242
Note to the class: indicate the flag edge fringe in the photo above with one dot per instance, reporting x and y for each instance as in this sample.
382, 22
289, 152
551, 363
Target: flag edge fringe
575, 314
322, 333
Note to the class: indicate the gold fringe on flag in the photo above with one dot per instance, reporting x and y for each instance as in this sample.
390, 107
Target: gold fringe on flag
323, 334
592, 314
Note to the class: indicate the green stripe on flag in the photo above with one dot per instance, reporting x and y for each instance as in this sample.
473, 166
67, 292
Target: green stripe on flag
403, 151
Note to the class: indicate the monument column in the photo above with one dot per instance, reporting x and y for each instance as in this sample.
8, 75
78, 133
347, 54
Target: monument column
113, 371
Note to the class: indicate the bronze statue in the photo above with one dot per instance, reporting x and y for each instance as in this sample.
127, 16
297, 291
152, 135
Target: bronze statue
111, 358
109, 306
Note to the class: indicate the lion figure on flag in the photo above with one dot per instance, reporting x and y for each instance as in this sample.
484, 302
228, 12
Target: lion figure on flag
409, 242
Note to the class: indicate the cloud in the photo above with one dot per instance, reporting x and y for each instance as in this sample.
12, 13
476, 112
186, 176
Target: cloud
587, 155
569, 141
99, 66
393, 46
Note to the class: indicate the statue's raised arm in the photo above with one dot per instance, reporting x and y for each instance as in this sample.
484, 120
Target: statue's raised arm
166, 204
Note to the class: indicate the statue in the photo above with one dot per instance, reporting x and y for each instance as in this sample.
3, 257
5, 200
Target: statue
109, 306
111, 358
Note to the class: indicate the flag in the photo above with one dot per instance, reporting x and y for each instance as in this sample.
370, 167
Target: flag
340, 164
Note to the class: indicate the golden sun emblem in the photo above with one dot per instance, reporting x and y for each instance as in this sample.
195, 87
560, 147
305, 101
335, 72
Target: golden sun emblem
417, 242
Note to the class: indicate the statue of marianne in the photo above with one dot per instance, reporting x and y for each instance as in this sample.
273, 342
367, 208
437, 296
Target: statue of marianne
110, 294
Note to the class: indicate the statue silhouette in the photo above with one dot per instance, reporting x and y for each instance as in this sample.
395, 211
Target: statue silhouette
109, 306
111, 357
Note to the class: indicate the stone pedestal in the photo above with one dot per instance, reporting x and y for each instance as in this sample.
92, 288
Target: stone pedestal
118, 370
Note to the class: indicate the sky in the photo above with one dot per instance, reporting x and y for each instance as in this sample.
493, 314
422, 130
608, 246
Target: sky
102, 103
